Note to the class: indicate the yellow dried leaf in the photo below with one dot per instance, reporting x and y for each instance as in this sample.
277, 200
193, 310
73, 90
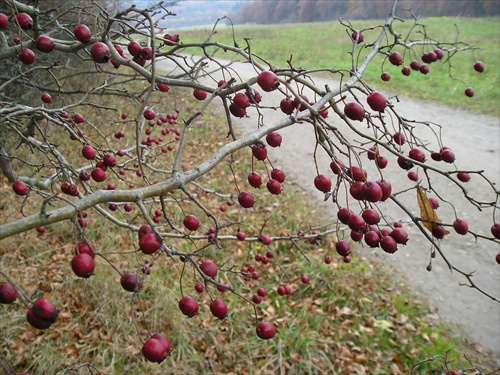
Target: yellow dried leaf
427, 212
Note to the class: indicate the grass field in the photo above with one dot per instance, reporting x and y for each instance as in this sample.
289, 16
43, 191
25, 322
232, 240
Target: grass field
350, 317
327, 45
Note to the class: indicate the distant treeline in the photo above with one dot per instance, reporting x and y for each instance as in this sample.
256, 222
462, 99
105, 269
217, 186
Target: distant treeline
286, 11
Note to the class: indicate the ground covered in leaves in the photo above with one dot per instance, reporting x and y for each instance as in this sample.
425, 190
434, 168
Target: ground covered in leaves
349, 319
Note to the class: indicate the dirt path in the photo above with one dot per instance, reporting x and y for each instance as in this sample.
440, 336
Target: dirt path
476, 142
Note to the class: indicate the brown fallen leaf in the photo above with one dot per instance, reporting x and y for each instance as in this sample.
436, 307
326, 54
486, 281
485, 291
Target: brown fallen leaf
427, 212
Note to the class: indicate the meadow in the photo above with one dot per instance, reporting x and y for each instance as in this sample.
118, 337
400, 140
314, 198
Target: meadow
327, 45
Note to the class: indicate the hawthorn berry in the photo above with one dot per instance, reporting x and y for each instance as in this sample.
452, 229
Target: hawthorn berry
268, 81
323, 183
219, 309
266, 330
188, 306
461, 226
8, 294
82, 33
209, 268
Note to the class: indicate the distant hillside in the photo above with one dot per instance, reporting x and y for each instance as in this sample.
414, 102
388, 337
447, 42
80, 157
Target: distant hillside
191, 13
286, 11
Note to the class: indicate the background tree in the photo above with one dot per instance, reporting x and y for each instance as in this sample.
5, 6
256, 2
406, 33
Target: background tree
120, 56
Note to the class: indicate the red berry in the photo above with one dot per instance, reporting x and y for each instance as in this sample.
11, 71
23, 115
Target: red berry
199, 94
447, 155
395, 58
406, 71
268, 81
98, 175
412, 175
134, 48
20, 188
130, 282
83, 265
44, 44
357, 173
27, 56
424, 69
388, 244
191, 222
88, 152
154, 351
461, 226
377, 101
386, 77
86, 247
241, 100
372, 238
400, 235
8, 293
254, 179
417, 154
188, 306
278, 174
36, 321
149, 243
354, 111
219, 309
415, 65
399, 138
323, 183
343, 248
163, 87
479, 67
164, 340
438, 231
149, 114
356, 222
305, 279
266, 330
266, 240
357, 37
199, 287
469, 91
246, 199
434, 202
372, 192
4, 21
44, 309
274, 139
259, 151
286, 106
274, 186
463, 176
371, 216
147, 53
495, 230
381, 162
328, 259
25, 21
100, 52
46, 98
343, 215
209, 268
82, 33
237, 111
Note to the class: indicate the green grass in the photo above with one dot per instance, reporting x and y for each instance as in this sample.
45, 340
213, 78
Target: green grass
350, 315
327, 45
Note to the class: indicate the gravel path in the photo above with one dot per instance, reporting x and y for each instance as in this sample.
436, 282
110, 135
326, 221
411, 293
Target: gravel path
475, 140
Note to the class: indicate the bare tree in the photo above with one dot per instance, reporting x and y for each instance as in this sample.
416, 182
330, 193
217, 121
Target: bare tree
85, 67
